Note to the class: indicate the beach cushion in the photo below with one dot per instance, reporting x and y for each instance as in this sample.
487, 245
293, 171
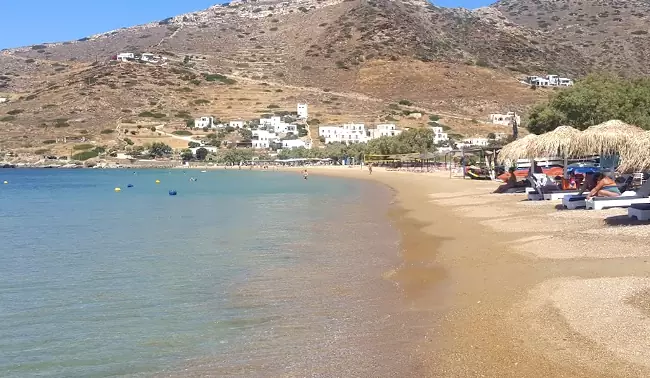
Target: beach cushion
641, 206
619, 198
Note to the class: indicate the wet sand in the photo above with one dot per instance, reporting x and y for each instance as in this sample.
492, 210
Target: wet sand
514, 288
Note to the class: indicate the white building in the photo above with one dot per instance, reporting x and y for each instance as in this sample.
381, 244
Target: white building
204, 122
285, 128
302, 111
548, 81
123, 57
236, 124
347, 133
294, 143
386, 129
263, 138
3, 100
209, 148
439, 134
505, 119
473, 142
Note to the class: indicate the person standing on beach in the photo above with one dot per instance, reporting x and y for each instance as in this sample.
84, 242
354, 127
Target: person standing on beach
370, 168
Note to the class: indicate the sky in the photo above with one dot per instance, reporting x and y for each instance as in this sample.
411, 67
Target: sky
29, 22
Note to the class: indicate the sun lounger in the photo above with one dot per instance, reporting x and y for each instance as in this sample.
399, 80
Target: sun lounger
540, 182
572, 202
640, 211
627, 199
559, 194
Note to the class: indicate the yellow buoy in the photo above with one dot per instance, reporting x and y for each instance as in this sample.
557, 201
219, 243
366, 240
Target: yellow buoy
157, 181
6, 182
118, 189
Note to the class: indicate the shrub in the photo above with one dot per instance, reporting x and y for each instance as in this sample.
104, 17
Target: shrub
49, 141
149, 114
405, 102
189, 123
30, 97
220, 78
273, 106
85, 155
7, 119
61, 122
39, 47
182, 132
128, 141
434, 118
83, 147
273, 29
107, 131
42, 151
341, 65
201, 102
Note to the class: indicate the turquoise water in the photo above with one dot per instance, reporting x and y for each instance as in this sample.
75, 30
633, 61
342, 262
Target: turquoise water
241, 274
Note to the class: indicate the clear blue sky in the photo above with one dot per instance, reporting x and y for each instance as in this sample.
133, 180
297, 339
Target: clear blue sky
28, 22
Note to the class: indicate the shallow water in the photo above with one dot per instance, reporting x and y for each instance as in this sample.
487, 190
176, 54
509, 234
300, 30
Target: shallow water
241, 274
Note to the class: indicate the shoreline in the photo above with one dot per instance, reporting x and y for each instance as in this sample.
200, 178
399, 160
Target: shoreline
515, 288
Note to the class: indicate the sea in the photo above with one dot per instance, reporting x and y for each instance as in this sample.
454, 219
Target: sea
240, 274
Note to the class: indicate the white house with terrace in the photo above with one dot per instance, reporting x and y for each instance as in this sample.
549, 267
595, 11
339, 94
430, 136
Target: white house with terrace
439, 134
204, 122
237, 124
295, 143
507, 119
548, 81
262, 139
386, 129
347, 133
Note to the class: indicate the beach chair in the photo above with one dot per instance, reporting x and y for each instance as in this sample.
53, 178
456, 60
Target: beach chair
626, 199
541, 185
640, 211
572, 202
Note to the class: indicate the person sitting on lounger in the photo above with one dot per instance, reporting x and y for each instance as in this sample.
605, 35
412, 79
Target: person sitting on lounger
511, 183
605, 187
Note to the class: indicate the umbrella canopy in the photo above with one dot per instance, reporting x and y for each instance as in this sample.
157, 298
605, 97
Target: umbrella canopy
519, 149
554, 143
636, 157
608, 138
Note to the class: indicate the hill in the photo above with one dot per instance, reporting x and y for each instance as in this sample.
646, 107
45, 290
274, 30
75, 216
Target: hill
351, 60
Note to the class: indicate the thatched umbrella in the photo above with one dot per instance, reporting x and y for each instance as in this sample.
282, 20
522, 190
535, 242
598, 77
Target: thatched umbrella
554, 143
608, 138
519, 149
636, 157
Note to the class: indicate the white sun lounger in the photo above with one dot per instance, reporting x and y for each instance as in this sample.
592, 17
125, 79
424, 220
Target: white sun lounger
626, 199
539, 182
559, 194
640, 211
572, 202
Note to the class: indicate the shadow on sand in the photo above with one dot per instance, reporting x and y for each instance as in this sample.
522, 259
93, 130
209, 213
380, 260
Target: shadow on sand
624, 220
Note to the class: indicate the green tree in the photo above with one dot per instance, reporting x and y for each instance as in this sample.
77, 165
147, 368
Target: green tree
246, 134
187, 155
593, 100
193, 144
201, 153
159, 149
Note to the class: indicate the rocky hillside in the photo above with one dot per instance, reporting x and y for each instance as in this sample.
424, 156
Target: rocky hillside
608, 34
349, 59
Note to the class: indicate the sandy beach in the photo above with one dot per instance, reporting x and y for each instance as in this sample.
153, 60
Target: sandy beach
515, 288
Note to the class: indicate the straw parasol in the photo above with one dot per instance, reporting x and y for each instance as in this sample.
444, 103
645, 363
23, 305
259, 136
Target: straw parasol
519, 149
636, 157
554, 143
608, 138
